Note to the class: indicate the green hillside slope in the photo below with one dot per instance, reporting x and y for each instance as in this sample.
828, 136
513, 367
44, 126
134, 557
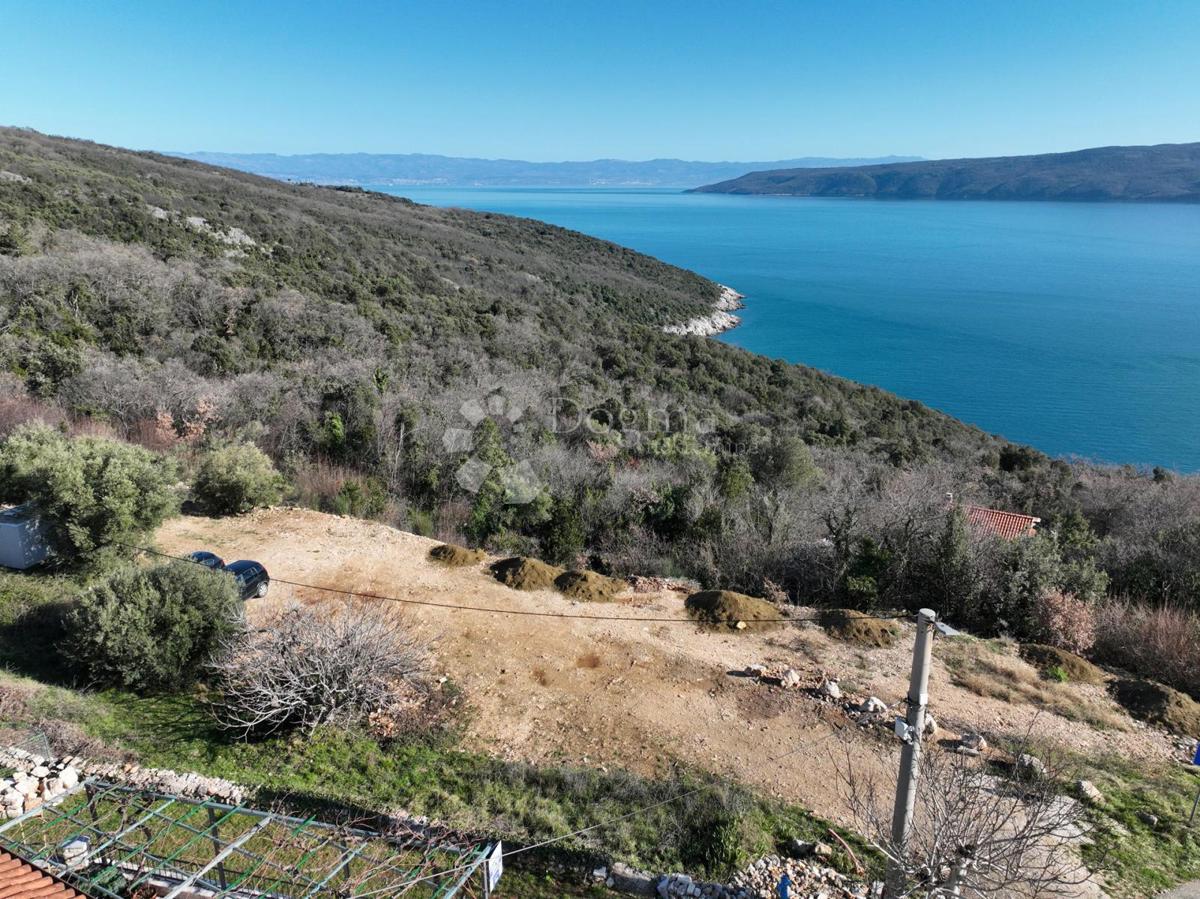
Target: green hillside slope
503, 382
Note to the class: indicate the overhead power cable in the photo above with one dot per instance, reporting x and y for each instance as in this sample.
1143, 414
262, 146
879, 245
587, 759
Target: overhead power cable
528, 613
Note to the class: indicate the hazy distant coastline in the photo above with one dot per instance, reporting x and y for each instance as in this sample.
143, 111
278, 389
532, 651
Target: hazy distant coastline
1164, 173
426, 170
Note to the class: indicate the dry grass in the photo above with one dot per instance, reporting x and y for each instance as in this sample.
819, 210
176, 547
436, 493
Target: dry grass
1153, 641
996, 672
734, 610
858, 627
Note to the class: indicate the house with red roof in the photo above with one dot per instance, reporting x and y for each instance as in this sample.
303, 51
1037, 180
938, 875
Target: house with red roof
1006, 525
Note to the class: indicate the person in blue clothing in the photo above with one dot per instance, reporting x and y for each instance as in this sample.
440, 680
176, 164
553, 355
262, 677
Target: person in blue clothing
784, 882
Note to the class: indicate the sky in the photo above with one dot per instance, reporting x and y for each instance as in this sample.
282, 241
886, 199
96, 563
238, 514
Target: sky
577, 79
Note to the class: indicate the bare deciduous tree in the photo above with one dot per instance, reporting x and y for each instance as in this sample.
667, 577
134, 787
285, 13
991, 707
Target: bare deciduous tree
978, 833
311, 667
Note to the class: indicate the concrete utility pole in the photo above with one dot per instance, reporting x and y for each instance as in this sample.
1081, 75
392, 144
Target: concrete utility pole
912, 730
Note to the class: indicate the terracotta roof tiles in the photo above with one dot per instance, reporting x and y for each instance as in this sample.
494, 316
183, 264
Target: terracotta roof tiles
1009, 525
21, 880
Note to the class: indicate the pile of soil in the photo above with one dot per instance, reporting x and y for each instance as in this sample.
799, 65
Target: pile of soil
734, 610
588, 586
1158, 704
1044, 658
858, 627
524, 573
455, 556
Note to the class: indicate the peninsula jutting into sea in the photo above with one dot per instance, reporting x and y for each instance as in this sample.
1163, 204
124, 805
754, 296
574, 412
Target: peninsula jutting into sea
1166, 173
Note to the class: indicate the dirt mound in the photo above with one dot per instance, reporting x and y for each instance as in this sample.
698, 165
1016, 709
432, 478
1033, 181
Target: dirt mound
1049, 658
1158, 704
524, 573
735, 610
588, 586
858, 627
456, 556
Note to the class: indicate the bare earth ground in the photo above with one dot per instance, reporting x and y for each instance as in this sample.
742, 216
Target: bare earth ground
635, 695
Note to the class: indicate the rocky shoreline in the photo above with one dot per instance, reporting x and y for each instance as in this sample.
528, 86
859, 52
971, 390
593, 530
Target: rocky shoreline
721, 319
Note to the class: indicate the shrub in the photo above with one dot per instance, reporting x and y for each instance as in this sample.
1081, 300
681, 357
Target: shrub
311, 667
92, 491
152, 629
1065, 621
237, 478
1157, 641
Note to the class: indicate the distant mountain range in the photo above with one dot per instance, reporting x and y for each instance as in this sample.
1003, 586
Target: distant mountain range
420, 169
1165, 173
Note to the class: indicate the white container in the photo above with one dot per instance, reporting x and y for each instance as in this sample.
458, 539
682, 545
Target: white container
22, 538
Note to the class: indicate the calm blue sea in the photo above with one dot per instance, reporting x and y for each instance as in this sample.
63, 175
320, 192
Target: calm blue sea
1072, 327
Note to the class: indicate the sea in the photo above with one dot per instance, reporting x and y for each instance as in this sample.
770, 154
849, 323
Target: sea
1073, 327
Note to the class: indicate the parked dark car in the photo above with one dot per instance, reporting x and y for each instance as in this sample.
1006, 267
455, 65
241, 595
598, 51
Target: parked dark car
252, 578
207, 559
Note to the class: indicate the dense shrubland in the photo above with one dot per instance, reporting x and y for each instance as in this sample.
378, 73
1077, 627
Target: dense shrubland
506, 383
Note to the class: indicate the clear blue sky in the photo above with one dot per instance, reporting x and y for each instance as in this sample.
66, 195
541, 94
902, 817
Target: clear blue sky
576, 79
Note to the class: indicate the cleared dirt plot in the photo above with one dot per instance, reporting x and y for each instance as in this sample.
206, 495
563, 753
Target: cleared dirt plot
635, 694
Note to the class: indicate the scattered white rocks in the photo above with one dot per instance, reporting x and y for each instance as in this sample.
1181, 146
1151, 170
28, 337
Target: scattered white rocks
761, 880
971, 743
233, 237
719, 320
14, 177
790, 678
641, 584
1030, 767
1090, 792
830, 689
873, 705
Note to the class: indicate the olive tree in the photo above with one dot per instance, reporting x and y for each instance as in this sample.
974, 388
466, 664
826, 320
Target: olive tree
237, 478
152, 628
93, 493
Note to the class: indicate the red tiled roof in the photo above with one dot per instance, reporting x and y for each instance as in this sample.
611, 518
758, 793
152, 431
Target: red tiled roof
1009, 525
21, 880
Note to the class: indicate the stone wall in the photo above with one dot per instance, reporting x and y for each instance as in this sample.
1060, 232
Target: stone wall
36, 780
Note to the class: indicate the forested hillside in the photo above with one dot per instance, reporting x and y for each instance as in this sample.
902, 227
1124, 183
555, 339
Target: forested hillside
504, 382
1162, 173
